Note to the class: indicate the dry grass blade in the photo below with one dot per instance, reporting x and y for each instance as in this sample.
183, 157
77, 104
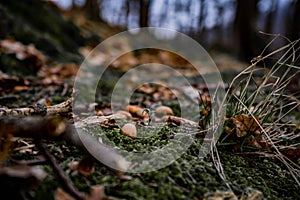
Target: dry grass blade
217, 163
268, 100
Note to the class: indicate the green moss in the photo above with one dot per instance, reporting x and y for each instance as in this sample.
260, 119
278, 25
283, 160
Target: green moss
48, 186
188, 177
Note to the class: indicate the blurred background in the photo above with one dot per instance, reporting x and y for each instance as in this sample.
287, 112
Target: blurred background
230, 25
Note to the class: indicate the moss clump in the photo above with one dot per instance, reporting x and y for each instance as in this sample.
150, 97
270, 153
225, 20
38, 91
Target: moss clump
266, 175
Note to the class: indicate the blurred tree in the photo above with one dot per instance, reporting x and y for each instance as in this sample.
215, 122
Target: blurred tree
74, 5
202, 15
144, 13
271, 17
92, 8
245, 19
294, 29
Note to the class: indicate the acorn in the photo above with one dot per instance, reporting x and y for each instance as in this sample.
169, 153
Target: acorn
129, 130
163, 110
137, 111
124, 114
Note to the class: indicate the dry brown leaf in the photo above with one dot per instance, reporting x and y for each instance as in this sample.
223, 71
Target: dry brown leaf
220, 195
205, 99
34, 58
136, 110
254, 141
60, 194
179, 121
8, 82
145, 88
20, 88
292, 154
99, 113
53, 74
86, 167
245, 124
206, 111
97, 193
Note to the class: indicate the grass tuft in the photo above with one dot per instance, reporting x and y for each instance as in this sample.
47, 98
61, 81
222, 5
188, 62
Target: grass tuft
262, 93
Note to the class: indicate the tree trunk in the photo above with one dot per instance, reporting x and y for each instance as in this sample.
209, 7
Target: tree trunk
244, 28
294, 27
270, 18
202, 16
92, 8
144, 13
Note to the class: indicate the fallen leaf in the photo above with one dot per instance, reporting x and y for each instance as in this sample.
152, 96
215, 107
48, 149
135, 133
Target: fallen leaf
97, 193
60, 194
20, 88
136, 110
29, 54
86, 167
145, 88
245, 124
220, 195
53, 74
292, 154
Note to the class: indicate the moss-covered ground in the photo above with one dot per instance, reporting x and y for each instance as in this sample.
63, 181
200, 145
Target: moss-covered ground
188, 177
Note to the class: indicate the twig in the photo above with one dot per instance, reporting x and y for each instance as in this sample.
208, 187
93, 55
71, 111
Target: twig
41, 161
54, 128
38, 109
181, 121
60, 174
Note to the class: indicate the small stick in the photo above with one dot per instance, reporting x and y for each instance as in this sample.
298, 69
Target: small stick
38, 109
61, 176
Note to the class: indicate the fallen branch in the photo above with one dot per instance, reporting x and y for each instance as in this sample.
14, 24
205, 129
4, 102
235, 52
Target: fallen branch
38, 109
180, 121
56, 128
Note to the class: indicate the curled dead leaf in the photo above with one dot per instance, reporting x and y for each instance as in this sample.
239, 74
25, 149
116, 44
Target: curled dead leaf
86, 167
245, 124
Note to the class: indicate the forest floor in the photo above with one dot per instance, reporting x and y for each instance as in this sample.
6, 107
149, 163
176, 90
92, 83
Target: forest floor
248, 174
